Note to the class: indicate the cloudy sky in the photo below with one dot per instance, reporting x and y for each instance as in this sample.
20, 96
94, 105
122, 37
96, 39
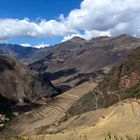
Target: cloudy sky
47, 22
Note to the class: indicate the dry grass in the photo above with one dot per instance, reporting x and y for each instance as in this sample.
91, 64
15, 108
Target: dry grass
83, 136
115, 137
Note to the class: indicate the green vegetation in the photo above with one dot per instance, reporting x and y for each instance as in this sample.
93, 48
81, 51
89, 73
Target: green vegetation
123, 82
5, 106
133, 92
112, 80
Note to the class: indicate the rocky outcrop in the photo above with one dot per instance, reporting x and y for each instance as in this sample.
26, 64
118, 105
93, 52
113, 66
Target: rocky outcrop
128, 81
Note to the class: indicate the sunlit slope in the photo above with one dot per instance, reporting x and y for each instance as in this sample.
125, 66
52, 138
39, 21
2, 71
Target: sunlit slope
32, 122
121, 119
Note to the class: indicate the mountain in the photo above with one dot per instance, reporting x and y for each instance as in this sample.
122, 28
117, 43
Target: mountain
74, 43
18, 51
19, 83
21, 89
75, 61
123, 81
114, 103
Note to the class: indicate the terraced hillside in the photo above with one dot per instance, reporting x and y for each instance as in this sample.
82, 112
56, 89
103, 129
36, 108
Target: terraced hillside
49, 115
119, 119
65, 115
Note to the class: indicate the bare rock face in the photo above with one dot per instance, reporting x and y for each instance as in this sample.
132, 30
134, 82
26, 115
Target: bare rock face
128, 81
18, 82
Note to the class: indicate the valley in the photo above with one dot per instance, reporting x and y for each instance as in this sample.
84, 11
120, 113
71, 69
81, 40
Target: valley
77, 90
69, 70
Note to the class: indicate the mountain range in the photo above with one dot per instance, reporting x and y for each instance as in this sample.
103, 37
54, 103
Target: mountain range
77, 60
99, 77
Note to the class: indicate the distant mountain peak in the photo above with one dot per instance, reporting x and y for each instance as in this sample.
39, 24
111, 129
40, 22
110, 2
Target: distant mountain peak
100, 38
125, 35
77, 39
125, 38
16, 50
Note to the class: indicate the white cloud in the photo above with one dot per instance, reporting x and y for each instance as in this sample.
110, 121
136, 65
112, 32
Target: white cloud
41, 45
94, 18
71, 36
13, 28
103, 15
26, 45
87, 35
106, 17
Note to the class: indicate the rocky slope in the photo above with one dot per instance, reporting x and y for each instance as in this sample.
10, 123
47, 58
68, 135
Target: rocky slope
77, 60
124, 75
121, 83
18, 82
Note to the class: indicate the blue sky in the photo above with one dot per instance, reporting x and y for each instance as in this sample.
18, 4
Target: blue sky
47, 9
48, 22
35, 10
